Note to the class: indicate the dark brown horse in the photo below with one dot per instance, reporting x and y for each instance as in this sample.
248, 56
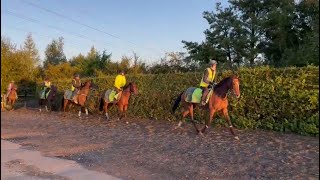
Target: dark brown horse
122, 103
48, 101
12, 97
81, 98
217, 102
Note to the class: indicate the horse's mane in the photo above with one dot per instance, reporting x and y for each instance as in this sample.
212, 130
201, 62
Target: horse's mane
223, 86
127, 85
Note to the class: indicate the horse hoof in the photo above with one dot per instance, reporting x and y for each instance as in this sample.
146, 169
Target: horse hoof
237, 138
200, 133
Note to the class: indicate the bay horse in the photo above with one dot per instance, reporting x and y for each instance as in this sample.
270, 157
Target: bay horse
81, 98
49, 99
122, 103
12, 97
217, 102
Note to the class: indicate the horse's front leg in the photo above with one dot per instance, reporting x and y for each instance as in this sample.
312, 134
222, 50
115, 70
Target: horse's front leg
87, 112
46, 106
226, 116
40, 105
208, 121
120, 111
79, 114
12, 105
125, 109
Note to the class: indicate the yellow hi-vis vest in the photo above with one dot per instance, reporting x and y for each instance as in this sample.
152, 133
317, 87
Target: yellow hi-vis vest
210, 78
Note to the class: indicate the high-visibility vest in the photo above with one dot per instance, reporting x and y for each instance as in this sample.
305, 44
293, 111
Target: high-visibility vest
210, 78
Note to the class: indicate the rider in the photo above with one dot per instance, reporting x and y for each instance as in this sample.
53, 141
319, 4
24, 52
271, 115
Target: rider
120, 82
75, 87
46, 85
10, 87
207, 78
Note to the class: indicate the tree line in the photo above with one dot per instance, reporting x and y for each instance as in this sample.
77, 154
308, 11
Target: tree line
246, 33
253, 32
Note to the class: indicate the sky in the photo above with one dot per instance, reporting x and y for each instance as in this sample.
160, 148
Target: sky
149, 28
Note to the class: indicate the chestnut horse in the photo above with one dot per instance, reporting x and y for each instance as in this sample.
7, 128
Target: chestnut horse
122, 103
12, 97
217, 102
81, 98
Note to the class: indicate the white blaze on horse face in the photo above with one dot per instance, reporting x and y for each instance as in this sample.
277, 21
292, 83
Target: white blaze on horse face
236, 88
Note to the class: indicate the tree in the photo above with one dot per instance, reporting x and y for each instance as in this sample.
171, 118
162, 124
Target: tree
54, 53
249, 28
138, 66
16, 64
221, 38
30, 48
306, 25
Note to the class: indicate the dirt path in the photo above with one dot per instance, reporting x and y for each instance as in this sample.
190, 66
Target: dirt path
147, 149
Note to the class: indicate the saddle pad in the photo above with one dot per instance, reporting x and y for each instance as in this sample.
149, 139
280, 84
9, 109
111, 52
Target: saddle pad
68, 94
42, 95
111, 96
193, 95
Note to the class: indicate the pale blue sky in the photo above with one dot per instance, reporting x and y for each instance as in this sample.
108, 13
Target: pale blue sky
155, 27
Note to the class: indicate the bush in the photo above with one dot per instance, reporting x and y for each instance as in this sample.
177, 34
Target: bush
277, 99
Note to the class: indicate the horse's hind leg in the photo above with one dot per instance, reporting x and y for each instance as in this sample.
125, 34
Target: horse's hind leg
105, 110
185, 112
192, 119
65, 103
208, 121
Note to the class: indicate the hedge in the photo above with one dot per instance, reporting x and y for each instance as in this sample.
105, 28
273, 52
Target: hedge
283, 99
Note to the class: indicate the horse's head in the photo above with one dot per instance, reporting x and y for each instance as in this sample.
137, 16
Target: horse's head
133, 88
235, 86
87, 84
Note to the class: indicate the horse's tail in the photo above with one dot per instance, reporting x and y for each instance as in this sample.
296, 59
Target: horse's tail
101, 104
176, 103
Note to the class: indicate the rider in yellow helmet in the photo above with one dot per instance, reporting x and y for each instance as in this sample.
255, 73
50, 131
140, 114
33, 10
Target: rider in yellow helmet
119, 83
207, 78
